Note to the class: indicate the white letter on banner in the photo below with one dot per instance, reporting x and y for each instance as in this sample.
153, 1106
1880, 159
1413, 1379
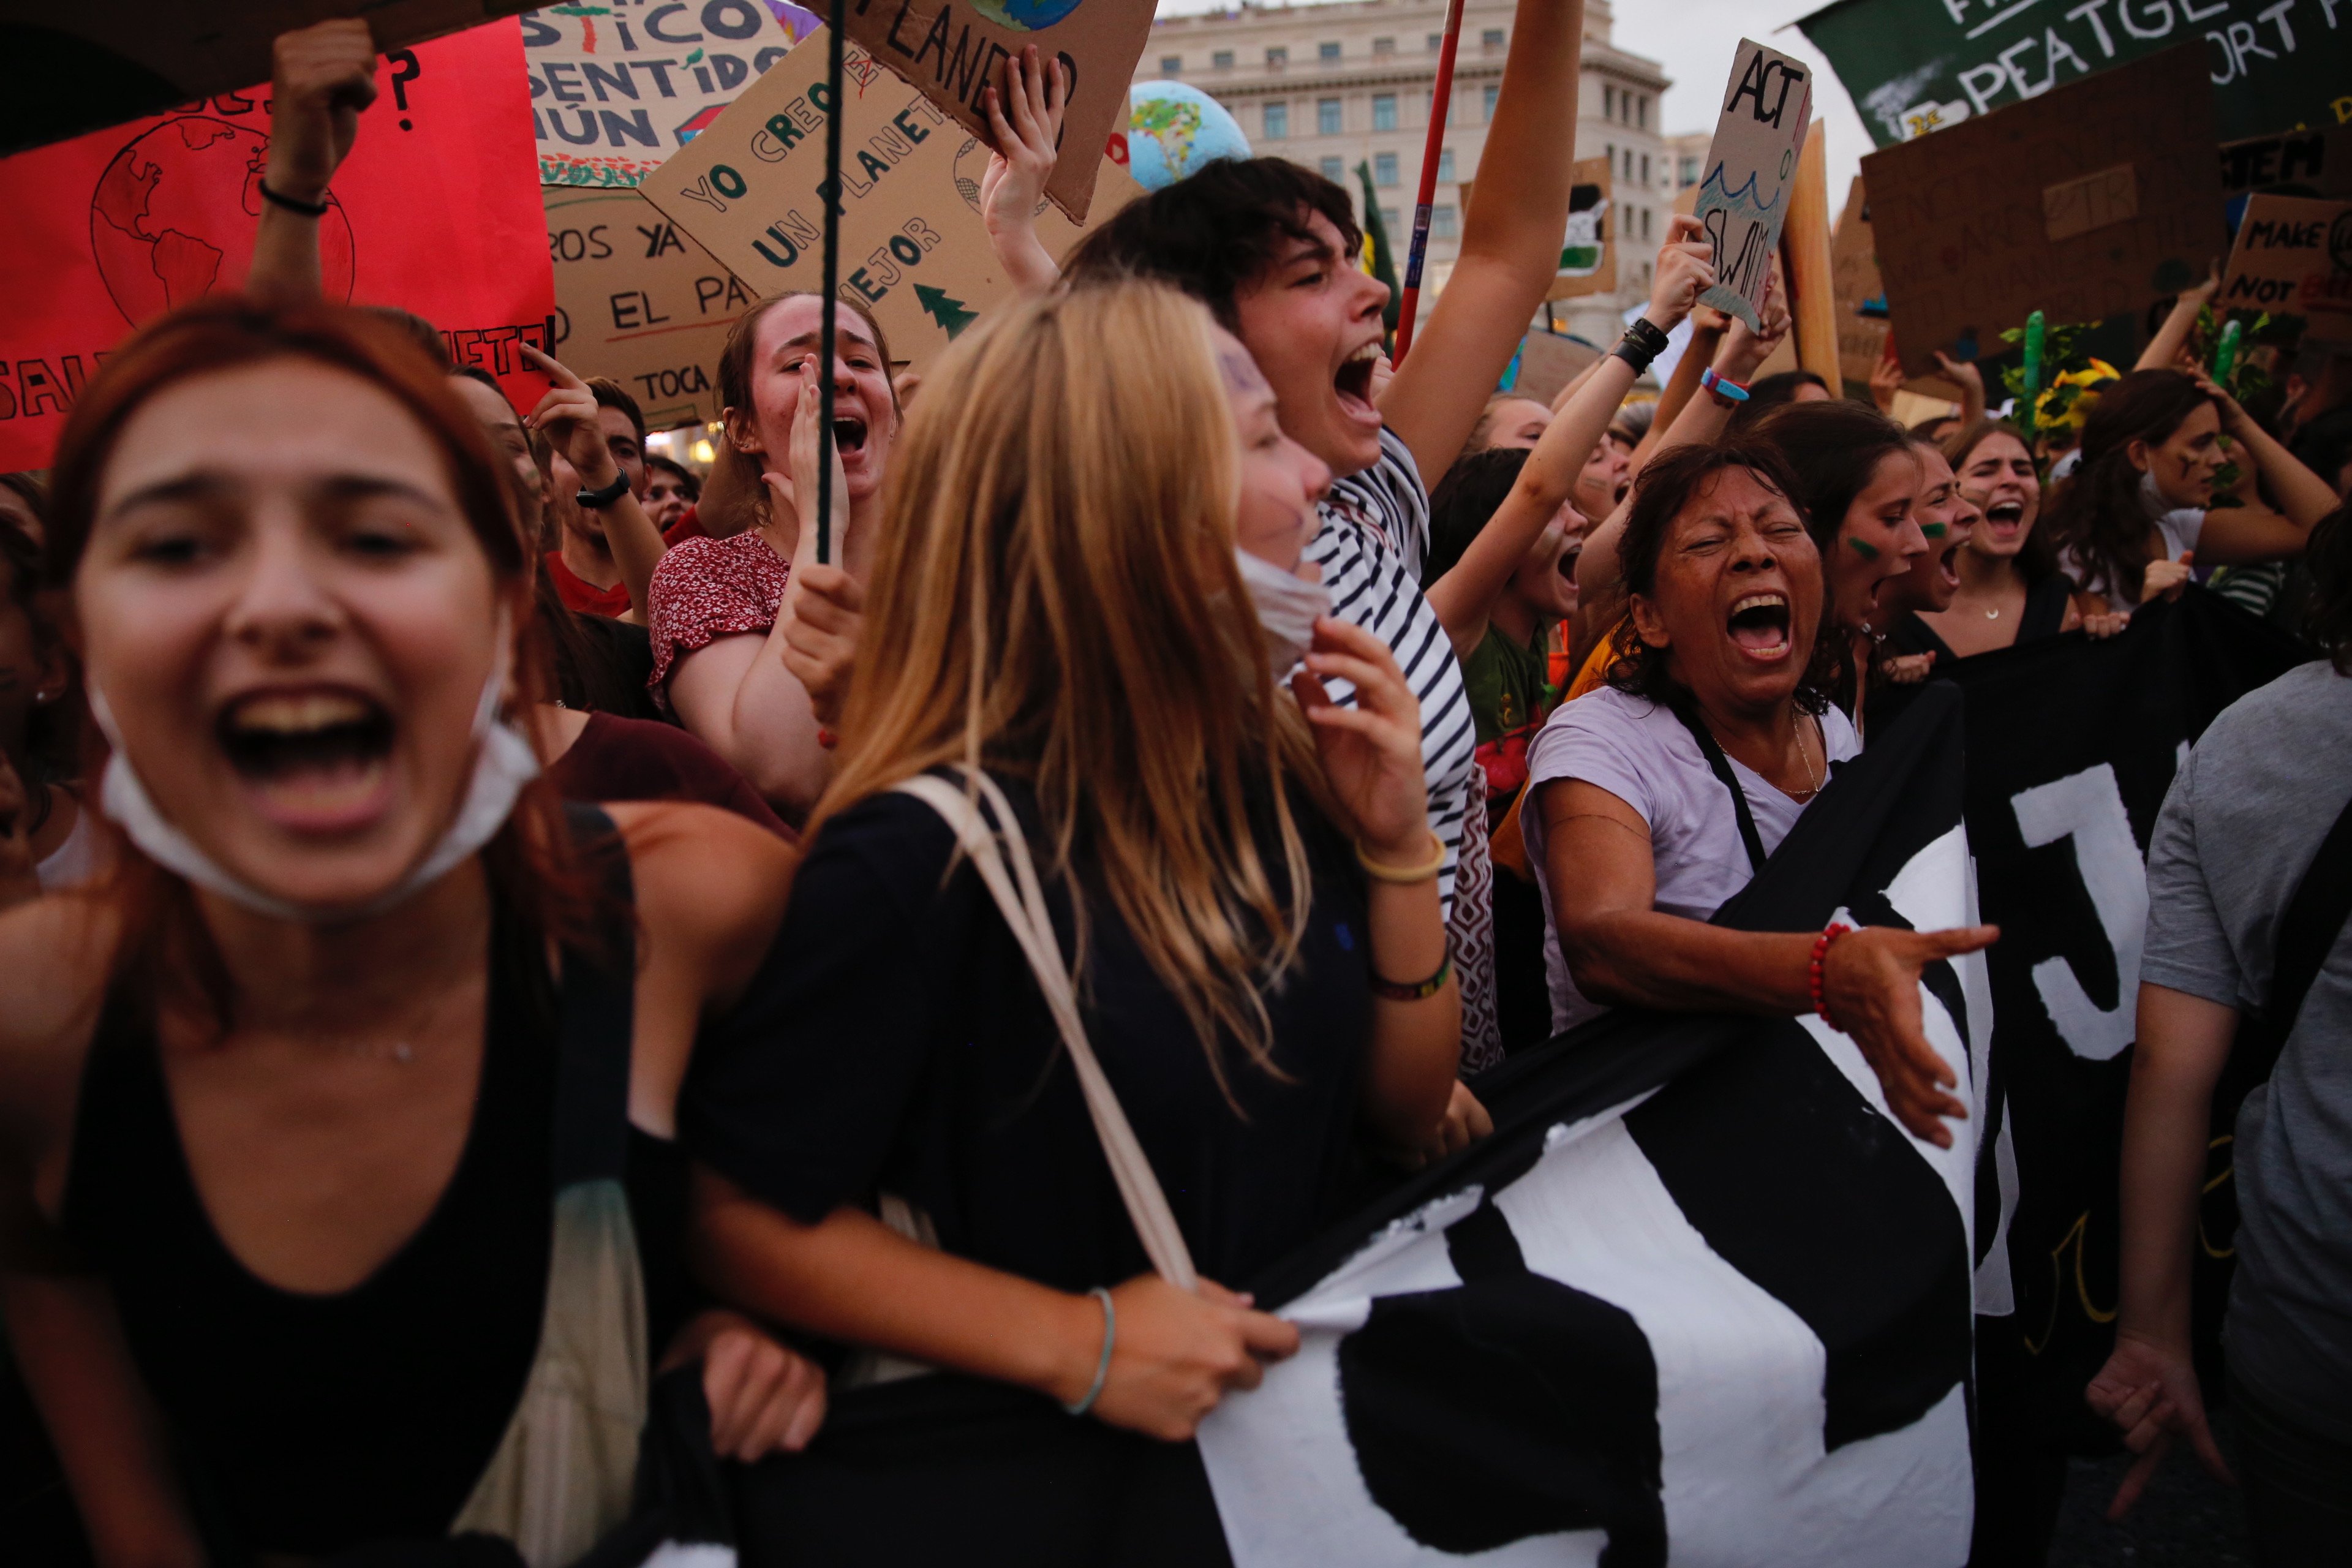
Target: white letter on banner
2088, 807
1981, 83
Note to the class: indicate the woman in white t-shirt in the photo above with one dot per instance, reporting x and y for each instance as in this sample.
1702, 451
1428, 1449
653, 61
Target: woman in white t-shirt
1659, 796
2130, 518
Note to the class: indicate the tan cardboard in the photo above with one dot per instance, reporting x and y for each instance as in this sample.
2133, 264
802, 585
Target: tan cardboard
639, 300
1750, 165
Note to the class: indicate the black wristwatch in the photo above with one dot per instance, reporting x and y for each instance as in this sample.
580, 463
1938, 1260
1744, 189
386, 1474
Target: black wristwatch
597, 501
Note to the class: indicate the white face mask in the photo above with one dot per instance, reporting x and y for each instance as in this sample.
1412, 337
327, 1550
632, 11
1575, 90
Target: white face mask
503, 763
1287, 609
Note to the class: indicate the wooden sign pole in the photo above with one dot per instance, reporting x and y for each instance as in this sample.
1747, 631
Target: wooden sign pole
1805, 261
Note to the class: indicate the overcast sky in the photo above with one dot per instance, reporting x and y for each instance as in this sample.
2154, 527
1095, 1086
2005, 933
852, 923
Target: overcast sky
1694, 40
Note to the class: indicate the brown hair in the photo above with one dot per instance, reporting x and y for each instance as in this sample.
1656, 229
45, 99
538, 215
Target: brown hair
2037, 558
1059, 590
531, 862
2096, 514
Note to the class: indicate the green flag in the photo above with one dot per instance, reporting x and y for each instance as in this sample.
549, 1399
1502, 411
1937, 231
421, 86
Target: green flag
1376, 240
1913, 65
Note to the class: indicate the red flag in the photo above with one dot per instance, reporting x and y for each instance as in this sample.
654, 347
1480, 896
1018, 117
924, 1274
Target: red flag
436, 211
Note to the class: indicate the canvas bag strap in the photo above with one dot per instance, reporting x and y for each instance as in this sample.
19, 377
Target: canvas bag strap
1024, 912
1713, 751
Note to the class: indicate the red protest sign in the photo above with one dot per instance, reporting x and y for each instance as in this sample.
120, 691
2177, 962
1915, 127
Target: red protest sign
436, 211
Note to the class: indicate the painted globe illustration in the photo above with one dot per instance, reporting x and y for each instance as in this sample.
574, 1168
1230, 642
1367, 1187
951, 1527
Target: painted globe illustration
1173, 127
173, 217
1024, 16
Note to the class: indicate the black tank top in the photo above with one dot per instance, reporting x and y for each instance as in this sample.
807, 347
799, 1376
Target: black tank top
307, 1424
2044, 614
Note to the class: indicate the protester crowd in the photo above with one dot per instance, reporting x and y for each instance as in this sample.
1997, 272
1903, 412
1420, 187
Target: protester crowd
491, 917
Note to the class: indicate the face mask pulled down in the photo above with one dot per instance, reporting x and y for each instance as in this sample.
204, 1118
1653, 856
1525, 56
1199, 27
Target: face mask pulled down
1287, 610
503, 763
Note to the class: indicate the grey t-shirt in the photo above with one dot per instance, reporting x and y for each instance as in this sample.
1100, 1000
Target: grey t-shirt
2242, 823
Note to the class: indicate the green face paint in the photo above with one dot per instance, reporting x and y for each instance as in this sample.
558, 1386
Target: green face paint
1932, 530
1863, 547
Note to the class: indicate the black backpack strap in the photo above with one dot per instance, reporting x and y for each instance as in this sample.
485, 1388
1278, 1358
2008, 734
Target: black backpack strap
1713, 751
2314, 918
596, 1017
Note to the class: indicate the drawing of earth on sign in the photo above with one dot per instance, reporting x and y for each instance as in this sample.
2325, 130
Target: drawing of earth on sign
1025, 15
173, 217
1172, 129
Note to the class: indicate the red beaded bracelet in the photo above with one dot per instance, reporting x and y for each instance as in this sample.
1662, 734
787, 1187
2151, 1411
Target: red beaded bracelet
1830, 933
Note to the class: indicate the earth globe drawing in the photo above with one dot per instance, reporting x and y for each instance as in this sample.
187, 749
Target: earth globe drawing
173, 217
1024, 16
1173, 127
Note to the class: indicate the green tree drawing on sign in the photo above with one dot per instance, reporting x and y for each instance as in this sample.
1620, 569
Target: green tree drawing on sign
948, 311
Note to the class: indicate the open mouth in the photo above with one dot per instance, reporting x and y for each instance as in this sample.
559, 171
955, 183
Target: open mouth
1566, 566
2005, 517
848, 434
1353, 380
1758, 626
1948, 564
315, 759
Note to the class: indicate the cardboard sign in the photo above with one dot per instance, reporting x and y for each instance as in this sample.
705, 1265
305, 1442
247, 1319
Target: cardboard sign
1861, 316
1550, 361
913, 249
954, 53
97, 65
435, 211
2293, 257
1750, 165
2319, 162
1588, 256
617, 87
639, 301
1963, 226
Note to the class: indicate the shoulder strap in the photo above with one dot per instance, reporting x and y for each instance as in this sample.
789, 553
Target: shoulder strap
596, 1019
2314, 918
1024, 912
1722, 766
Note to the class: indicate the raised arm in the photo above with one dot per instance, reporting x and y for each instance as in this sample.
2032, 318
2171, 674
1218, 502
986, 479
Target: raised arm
321, 76
2253, 531
1464, 596
567, 417
1025, 113
1510, 240
2165, 347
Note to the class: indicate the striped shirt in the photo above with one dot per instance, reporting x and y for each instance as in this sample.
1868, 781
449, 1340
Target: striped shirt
1374, 537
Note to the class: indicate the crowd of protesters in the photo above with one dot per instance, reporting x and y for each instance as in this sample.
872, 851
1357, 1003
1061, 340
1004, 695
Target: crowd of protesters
489, 916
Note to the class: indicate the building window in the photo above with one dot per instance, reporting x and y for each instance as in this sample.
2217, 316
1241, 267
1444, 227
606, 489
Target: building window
1334, 169
1276, 58
1445, 166
1492, 39
1327, 117
1222, 59
1326, 51
1641, 113
1442, 223
1436, 42
1608, 102
1383, 45
1488, 94
1686, 172
1277, 121
1171, 65
1388, 222
1645, 223
1608, 150
1384, 168
1384, 111
1646, 168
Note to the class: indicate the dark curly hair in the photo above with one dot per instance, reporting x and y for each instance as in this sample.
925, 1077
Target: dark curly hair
2097, 515
1667, 487
2328, 560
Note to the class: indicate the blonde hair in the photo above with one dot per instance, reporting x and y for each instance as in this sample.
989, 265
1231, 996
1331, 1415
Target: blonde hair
1057, 595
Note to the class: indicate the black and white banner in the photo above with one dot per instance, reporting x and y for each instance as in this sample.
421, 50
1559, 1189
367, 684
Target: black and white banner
1698, 1301
2072, 746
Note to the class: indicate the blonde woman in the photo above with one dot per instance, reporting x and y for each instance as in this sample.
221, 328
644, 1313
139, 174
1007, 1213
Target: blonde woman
1242, 875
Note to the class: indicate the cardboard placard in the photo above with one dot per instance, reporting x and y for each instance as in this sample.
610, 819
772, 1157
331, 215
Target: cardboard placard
1862, 303
2317, 161
1588, 256
638, 300
617, 87
914, 249
1550, 361
1963, 235
2293, 257
442, 219
1767, 107
953, 52
94, 65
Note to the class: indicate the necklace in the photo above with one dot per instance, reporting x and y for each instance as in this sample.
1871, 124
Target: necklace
1816, 772
1993, 613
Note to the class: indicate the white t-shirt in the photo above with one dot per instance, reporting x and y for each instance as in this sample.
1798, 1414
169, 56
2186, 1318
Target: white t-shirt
1640, 753
75, 859
2180, 530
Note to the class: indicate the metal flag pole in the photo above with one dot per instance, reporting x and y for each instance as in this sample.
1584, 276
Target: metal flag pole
834, 109
1441, 99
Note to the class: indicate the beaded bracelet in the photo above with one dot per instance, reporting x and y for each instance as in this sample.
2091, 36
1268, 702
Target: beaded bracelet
1830, 933
1398, 991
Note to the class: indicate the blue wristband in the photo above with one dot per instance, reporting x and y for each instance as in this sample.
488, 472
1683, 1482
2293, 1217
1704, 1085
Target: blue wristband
1102, 1367
1710, 382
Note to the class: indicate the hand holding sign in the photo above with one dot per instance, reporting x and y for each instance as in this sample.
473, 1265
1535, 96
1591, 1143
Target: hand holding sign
1012, 188
323, 75
1686, 269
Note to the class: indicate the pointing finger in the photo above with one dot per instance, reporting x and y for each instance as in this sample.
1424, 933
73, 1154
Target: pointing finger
556, 371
